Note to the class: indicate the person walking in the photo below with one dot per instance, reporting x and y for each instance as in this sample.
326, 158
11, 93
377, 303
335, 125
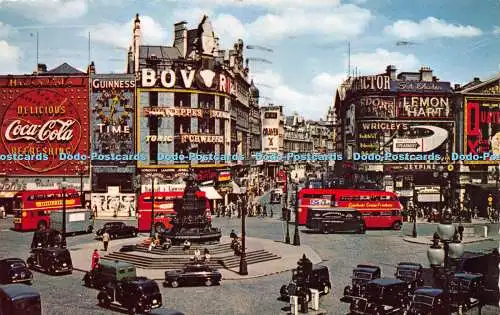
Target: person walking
207, 256
105, 240
95, 259
197, 254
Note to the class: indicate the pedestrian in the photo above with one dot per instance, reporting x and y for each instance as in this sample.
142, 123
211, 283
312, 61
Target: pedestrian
105, 240
187, 245
2, 212
197, 254
95, 259
461, 231
264, 212
207, 256
233, 234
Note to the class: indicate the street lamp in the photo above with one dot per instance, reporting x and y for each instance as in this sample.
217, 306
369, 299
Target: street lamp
414, 214
81, 169
296, 235
64, 185
243, 255
287, 214
152, 205
442, 175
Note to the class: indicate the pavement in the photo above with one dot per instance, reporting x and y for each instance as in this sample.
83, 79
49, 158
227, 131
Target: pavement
289, 254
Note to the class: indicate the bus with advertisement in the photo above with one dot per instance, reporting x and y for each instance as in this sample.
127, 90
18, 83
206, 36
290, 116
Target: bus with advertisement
379, 209
164, 209
32, 207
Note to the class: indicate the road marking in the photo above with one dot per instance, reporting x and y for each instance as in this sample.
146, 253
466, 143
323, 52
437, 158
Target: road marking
5, 230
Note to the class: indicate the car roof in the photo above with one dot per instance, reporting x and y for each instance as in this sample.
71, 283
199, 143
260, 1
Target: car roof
138, 280
319, 267
56, 250
17, 290
429, 291
386, 281
410, 265
113, 222
12, 260
467, 275
368, 268
115, 263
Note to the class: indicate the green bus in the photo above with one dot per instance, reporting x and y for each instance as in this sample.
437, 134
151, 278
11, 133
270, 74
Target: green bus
77, 221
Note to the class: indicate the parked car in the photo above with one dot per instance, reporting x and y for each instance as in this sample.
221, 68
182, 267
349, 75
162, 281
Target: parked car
360, 277
411, 273
108, 271
466, 291
429, 301
14, 270
19, 299
192, 274
319, 279
383, 296
117, 230
48, 238
138, 295
50, 260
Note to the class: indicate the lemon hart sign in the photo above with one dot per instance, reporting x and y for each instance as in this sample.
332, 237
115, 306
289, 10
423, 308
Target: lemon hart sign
41, 117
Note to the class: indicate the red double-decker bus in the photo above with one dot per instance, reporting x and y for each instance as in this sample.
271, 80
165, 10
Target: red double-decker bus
164, 209
380, 209
32, 207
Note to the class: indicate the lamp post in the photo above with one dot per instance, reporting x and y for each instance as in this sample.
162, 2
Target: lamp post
287, 215
414, 214
81, 170
296, 235
152, 205
64, 185
243, 255
442, 175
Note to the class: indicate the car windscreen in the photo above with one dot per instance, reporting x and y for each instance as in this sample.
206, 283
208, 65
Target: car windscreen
407, 273
362, 275
375, 290
64, 255
17, 265
423, 299
150, 288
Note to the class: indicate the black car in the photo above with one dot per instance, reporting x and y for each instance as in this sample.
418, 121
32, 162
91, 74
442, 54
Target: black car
14, 270
360, 277
319, 279
328, 220
192, 274
50, 260
466, 291
19, 299
138, 295
117, 230
411, 273
47, 238
383, 296
429, 301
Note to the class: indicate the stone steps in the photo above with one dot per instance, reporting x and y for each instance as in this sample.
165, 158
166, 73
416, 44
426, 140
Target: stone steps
178, 250
167, 263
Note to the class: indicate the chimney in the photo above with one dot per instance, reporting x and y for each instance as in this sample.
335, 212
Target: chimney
91, 68
477, 80
41, 68
457, 87
426, 74
130, 60
391, 71
180, 37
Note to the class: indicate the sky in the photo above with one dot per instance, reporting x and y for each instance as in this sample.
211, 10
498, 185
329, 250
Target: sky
458, 39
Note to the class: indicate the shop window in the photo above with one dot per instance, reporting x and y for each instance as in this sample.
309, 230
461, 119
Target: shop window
182, 99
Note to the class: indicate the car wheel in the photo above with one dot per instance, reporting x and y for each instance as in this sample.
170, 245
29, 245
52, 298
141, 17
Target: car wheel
104, 300
326, 230
87, 282
362, 229
29, 262
90, 228
41, 225
52, 270
165, 284
132, 310
174, 284
396, 226
208, 282
134, 233
284, 292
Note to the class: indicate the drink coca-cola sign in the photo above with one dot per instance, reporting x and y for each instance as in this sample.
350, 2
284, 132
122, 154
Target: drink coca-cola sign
40, 123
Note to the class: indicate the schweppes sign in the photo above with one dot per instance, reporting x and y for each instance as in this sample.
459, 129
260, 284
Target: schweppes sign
54, 203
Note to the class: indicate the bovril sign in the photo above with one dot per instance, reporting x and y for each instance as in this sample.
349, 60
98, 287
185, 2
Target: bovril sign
204, 79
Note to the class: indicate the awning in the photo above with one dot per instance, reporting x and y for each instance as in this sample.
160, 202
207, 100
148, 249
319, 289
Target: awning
210, 192
236, 188
7, 194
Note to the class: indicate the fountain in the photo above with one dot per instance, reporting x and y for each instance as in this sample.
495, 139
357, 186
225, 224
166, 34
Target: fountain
191, 222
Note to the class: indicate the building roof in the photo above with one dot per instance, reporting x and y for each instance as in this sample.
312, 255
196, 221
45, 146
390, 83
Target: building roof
64, 68
161, 52
471, 86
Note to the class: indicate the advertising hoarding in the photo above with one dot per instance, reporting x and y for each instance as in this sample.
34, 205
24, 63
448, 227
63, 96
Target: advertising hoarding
482, 128
112, 107
42, 117
424, 107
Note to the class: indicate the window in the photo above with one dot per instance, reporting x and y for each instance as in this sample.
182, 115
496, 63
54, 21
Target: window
271, 115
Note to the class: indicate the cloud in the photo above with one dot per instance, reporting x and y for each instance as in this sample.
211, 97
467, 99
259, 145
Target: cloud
5, 30
120, 35
192, 15
49, 11
496, 30
313, 105
376, 62
273, 3
430, 27
9, 58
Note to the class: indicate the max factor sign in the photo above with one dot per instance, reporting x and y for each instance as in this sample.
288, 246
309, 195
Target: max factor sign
204, 79
372, 83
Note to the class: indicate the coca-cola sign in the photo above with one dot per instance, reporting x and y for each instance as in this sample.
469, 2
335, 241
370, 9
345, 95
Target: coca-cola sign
40, 123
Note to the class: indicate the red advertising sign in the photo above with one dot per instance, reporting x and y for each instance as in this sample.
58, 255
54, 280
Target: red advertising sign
43, 117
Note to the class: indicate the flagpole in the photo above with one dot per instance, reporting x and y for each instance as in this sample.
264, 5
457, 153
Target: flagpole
36, 52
